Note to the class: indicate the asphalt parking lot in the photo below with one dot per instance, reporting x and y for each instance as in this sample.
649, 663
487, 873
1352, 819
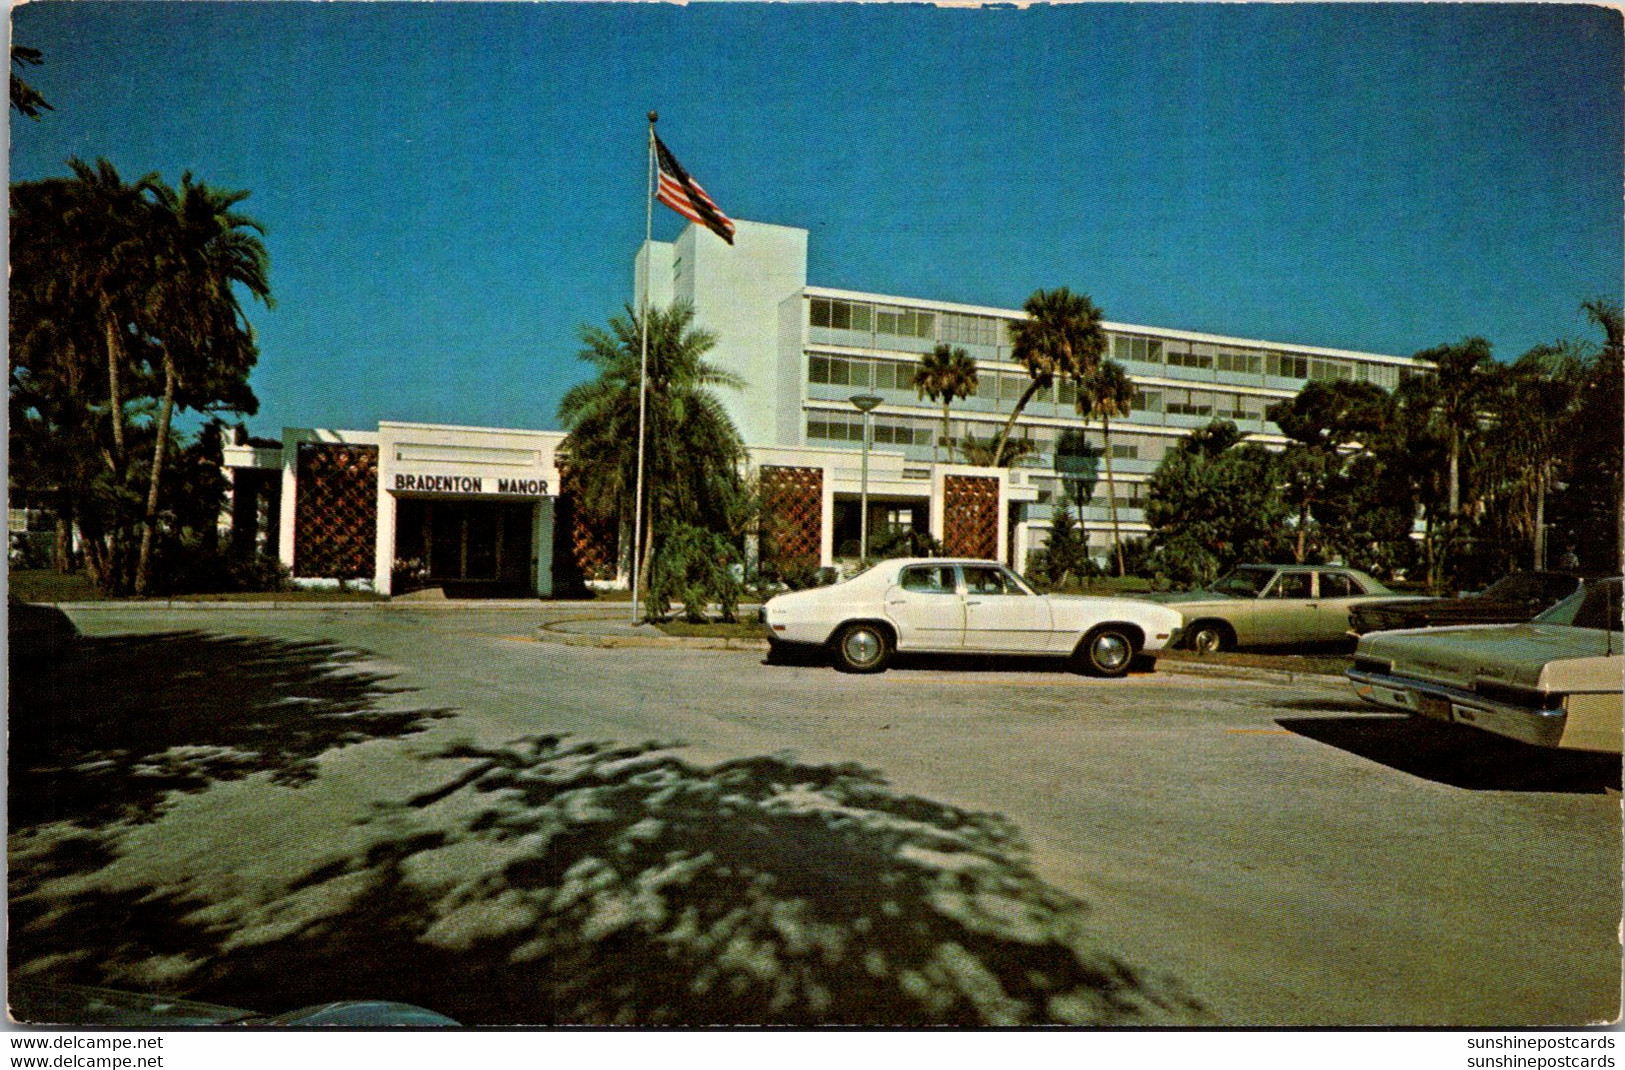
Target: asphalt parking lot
262, 808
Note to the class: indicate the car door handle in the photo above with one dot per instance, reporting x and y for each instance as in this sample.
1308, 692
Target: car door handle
973, 601
897, 601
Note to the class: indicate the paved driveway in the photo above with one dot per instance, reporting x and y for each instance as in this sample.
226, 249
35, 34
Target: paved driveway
981, 842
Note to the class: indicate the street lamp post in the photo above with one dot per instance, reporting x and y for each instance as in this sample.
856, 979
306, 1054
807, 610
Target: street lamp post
864, 403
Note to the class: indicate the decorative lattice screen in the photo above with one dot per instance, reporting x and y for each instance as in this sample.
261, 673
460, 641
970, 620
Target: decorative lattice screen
593, 543
792, 516
970, 516
335, 511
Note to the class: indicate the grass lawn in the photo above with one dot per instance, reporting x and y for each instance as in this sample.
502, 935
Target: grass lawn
47, 585
44, 585
1314, 663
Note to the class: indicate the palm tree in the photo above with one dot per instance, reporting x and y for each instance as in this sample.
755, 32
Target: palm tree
1460, 390
1108, 392
945, 375
110, 259
24, 97
693, 450
1540, 396
205, 251
1061, 338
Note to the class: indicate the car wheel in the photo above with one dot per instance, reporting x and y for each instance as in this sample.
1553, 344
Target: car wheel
862, 648
1106, 651
1210, 637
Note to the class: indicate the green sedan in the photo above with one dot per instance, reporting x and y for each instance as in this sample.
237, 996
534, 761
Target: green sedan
1257, 605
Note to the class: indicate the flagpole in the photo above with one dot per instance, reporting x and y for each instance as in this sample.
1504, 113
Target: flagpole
643, 360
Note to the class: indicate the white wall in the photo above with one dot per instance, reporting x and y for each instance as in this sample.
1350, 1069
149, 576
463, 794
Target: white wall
737, 292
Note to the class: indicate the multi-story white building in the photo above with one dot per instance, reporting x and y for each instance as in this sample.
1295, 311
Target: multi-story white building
804, 351
410, 505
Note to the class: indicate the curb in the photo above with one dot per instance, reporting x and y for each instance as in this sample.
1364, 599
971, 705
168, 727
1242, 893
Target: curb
545, 633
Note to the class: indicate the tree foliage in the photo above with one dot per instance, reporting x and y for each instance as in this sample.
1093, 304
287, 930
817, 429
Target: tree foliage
1061, 338
946, 374
24, 97
1105, 392
125, 308
693, 451
1211, 505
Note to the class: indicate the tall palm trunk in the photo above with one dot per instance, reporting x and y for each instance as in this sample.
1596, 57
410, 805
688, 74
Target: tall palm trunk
149, 522
1455, 474
936, 453
1540, 515
1009, 425
115, 392
1111, 493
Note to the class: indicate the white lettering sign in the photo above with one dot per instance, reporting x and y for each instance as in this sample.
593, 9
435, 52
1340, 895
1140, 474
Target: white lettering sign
443, 484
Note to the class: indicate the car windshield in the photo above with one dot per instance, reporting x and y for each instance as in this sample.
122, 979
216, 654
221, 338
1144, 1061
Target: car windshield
1596, 606
1243, 582
1527, 586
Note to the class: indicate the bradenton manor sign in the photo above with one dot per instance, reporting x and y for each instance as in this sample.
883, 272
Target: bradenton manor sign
455, 484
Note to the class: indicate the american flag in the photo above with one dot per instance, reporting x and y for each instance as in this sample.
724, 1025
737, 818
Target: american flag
687, 198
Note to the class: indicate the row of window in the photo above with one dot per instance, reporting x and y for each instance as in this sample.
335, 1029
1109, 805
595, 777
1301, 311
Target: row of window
1129, 495
856, 371
1142, 350
967, 329
880, 319
887, 431
972, 329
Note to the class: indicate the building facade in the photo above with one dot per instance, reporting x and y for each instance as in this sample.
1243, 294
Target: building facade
804, 351
488, 509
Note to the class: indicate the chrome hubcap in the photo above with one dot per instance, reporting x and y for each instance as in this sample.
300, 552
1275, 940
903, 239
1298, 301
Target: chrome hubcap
1207, 641
862, 647
1111, 651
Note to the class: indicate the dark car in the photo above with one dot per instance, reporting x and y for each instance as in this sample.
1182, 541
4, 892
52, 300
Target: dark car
1510, 600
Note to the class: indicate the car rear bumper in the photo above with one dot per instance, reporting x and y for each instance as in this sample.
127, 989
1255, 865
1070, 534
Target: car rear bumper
1439, 702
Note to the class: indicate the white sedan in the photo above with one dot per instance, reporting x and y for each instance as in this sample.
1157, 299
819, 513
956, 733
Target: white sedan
933, 605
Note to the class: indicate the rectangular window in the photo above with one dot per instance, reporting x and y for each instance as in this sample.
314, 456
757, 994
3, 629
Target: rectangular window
818, 370
1153, 350
862, 318
1190, 403
1287, 366
1329, 370
1189, 359
1067, 393
1249, 363
819, 314
1147, 401
1010, 387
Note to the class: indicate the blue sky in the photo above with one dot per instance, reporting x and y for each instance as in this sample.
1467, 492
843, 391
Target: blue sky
451, 189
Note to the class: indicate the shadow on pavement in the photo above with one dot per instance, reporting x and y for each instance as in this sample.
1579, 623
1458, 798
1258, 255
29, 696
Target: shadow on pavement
1462, 757
558, 882
105, 729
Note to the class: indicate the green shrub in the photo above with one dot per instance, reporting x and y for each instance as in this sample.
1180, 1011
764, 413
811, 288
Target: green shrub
695, 567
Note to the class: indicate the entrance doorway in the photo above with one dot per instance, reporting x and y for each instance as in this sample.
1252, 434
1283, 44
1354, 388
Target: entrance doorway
888, 519
485, 546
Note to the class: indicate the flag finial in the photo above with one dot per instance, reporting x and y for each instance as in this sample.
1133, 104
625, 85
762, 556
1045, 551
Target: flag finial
654, 117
